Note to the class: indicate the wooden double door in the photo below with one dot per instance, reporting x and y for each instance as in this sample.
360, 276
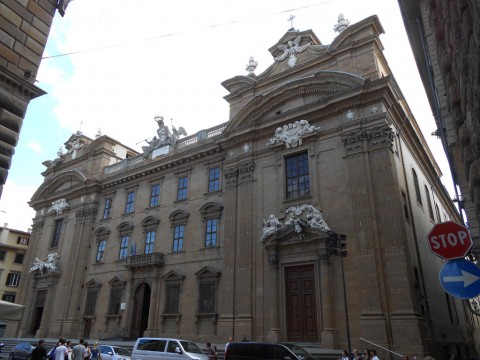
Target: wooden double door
301, 303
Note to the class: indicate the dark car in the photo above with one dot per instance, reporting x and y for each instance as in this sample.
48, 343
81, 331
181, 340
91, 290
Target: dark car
257, 351
22, 351
298, 350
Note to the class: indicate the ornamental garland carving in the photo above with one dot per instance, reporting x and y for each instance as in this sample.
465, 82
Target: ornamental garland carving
45, 266
300, 217
291, 135
379, 135
58, 206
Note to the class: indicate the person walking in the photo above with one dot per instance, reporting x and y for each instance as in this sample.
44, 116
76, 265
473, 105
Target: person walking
96, 355
211, 352
68, 344
78, 351
39, 353
87, 354
61, 352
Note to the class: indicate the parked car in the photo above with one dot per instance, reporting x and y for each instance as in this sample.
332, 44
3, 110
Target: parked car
298, 350
21, 351
165, 349
258, 350
110, 352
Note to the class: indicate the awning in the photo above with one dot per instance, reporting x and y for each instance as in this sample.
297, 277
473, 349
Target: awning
10, 311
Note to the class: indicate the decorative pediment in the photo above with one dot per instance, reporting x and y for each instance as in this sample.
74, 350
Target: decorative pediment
211, 210
173, 275
125, 227
63, 182
102, 232
117, 280
207, 271
92, 283
150, 222
178, 217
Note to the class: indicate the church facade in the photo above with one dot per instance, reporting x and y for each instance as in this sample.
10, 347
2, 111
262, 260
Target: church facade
235, 230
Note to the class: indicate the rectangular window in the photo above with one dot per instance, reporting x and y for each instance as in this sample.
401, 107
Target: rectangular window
130, 206
182, 188
8, 297
56, 233
149, 242
123, 247
91, 302
155, 195
178, 234
214, 179
2, 255
101, 251
22, 241
172, 296
19, 258
108, 208
211, 233
429, 203
297, 173
13, 279
207, 294
405, 206
417, 187
115, 300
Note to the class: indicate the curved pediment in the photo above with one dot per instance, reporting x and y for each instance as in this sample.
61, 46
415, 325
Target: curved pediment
289, 96
65, 181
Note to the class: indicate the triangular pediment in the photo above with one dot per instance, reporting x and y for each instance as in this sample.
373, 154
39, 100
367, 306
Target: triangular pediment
173, 275
207, 271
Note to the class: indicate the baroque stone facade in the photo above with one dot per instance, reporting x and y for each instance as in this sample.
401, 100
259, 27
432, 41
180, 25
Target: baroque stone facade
228, 232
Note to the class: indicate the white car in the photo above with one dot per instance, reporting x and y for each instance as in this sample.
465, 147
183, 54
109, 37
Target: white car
110, 352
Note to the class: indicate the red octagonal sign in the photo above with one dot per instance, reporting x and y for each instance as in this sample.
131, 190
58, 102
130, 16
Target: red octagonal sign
450, 240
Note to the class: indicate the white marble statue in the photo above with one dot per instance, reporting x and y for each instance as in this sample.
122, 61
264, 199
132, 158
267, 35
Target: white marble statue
49, 265
292, 48
270, 226
252, 65
342, 23
165, 137
291, 134
58, 206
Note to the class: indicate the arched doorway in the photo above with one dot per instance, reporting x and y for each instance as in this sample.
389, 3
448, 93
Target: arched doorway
141, 307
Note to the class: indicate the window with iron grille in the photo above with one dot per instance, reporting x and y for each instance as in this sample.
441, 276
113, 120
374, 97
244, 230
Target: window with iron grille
178, 236
214, 179
56, 233
19, 258
155, 195
115, 300
297, 175
13, 279
182, 188
207, 296
149, 242
90, 302
172, 296
211, 233
130, 205
101, 251
8, 297
108, 208
123, 247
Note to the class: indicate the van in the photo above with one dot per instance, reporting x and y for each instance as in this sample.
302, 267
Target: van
257, 350
166, 349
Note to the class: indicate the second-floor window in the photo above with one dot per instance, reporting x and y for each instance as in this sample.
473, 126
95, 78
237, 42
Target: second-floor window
13, 279
101, 251
123, 247
155, 195
19, 258
149, 242
178, 235
297, 175
56, 233
211, 233
130, 205
214, 179
22, 241
108, 208
182, 188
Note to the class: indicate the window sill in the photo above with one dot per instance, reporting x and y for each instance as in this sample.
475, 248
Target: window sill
297, 200
111, 316
214, 192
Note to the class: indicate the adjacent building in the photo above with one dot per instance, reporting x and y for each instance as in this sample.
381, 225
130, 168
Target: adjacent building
24, 29
13, 247
234, 230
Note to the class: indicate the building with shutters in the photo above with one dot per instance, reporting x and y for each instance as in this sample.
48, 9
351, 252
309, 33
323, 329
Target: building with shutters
228, 232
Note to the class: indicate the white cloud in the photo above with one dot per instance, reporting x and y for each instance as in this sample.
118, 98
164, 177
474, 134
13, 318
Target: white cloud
35, 147
13, 206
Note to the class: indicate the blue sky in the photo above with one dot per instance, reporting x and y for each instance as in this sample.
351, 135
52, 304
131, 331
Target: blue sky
169, 58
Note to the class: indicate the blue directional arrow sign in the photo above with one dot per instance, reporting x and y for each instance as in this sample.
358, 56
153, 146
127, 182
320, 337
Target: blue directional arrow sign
460, 278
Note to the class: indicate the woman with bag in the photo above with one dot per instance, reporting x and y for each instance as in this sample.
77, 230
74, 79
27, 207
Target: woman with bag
88, 353
96, 355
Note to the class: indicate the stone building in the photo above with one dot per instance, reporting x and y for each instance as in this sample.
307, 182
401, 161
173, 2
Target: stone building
445, 39
24, 29
233, 231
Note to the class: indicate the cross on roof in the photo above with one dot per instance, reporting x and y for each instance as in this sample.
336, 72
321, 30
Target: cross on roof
291, 19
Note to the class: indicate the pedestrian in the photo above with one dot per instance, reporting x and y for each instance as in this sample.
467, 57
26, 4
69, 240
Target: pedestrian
373, 355
78, 351
230, 339
39, 353
61, 352
87, 354
69, 349
96, 355
245, 339
211, 352
345, 355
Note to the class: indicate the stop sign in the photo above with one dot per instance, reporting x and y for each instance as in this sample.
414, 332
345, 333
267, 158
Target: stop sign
449, 240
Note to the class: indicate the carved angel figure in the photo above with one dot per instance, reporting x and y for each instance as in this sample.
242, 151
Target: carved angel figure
49, 265
292, 48
270, 226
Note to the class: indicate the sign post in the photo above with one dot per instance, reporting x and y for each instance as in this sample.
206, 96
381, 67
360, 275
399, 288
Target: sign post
449, 240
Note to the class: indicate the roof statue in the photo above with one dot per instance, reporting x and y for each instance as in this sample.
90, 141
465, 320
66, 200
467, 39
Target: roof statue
166, 137
292, 48
342, 24
291, 134
252, 65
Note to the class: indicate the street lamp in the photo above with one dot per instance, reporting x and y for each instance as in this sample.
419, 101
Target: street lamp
337, 246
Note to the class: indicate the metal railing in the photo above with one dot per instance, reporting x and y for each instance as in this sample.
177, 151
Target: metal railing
381, 347
145, 260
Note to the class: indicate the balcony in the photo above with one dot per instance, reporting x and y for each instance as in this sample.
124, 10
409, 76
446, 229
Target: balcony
145, 260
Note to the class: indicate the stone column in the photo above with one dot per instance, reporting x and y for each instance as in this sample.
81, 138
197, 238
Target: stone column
49, 311
273, 334
153, 312
328, 329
